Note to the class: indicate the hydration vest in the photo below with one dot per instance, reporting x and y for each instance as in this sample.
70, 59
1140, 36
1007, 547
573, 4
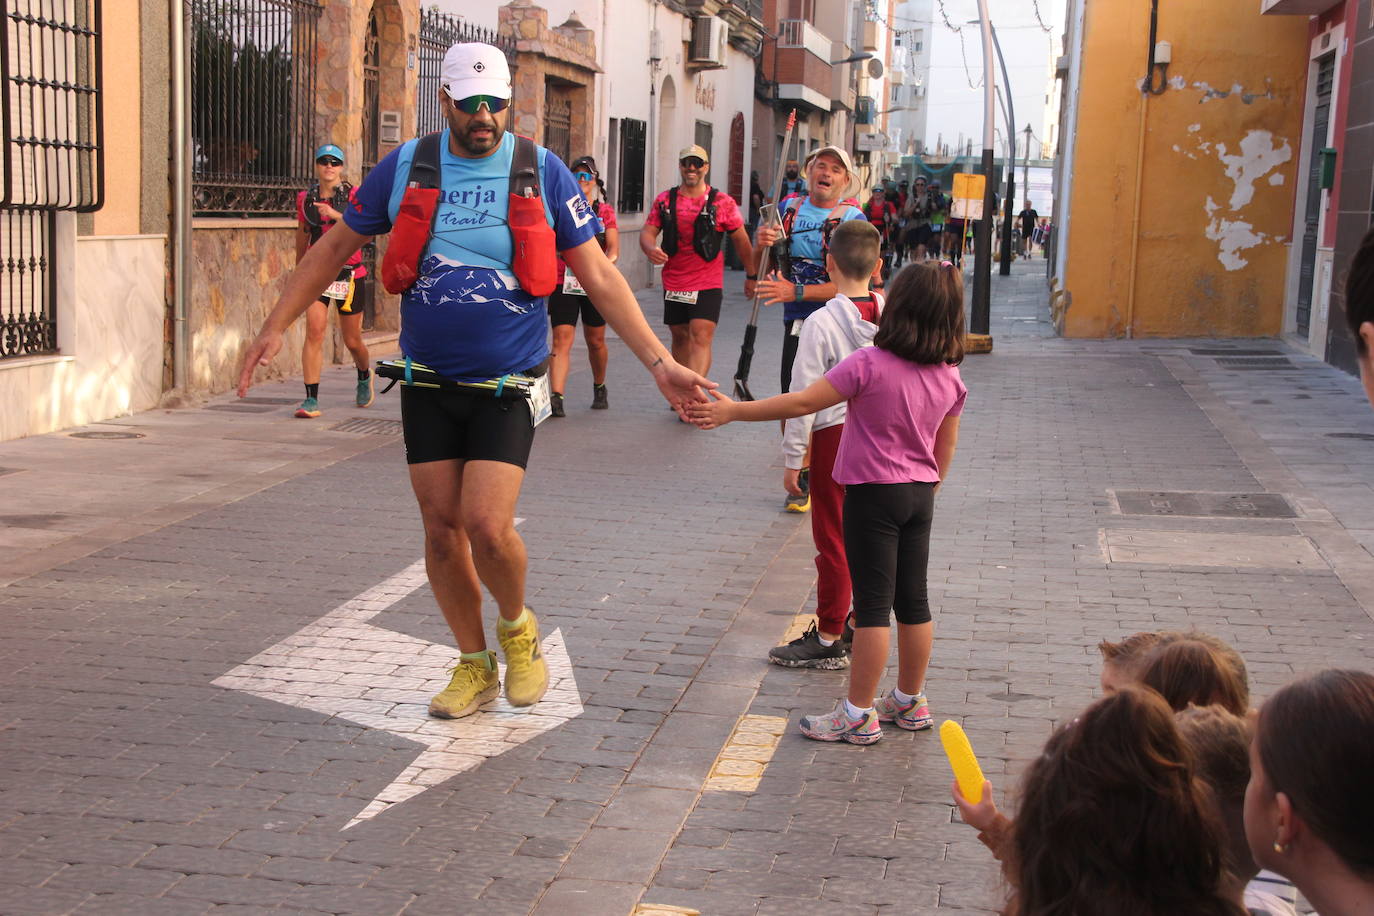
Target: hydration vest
338, 200
706, 238
534, 251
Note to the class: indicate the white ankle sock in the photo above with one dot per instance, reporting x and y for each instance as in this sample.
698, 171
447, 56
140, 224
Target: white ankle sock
902, 698
825, 642
854, 712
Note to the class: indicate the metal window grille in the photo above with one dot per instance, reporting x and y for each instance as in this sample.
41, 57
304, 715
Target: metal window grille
50, 106
438, 31
252, 103
632, 134
28, 325
557, 124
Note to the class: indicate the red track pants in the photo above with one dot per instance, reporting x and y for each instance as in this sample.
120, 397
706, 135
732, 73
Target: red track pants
833, 591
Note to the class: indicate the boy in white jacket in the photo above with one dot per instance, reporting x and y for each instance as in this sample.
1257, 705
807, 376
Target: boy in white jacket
846, 323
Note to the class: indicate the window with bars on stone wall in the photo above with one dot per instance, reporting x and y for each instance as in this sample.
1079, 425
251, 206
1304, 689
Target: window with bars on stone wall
50, 158
252, 104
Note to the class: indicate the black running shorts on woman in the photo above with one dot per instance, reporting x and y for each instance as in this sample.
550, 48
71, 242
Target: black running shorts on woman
440, 425
564, 308
887, 545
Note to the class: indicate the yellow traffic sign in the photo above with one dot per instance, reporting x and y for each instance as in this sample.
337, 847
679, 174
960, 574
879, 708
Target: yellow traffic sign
969, 191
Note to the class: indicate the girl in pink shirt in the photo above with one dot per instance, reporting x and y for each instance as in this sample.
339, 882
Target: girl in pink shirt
905, 397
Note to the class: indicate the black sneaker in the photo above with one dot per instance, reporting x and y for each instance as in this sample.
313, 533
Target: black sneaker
556, 404
806, 651
599, 401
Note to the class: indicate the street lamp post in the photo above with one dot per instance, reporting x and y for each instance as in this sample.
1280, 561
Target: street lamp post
980, 317
1009, 109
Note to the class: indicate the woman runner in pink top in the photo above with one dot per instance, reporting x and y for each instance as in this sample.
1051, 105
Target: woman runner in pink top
905, 397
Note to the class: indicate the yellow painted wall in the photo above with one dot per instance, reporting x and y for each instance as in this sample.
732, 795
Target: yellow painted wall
123, 153
1220, 155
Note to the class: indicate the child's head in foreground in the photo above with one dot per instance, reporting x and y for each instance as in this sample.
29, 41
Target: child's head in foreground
923, 321
1185, 667
855, 247
1113, 820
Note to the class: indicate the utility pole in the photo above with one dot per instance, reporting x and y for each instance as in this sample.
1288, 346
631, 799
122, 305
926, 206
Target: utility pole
1025, 175
1004, 269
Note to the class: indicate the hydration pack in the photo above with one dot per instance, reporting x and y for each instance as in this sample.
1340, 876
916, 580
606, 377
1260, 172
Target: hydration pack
534, 251
782, 248
706, 237
338, 200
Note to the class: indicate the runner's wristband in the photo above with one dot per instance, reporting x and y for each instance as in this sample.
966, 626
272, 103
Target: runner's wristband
800, 292
751, 276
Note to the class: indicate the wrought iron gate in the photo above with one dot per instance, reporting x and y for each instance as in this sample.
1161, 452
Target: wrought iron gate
438, 31
557, 123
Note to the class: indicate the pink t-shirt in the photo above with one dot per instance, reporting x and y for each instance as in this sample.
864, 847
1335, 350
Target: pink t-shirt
604, 212
355, 260
895, 409
685, 270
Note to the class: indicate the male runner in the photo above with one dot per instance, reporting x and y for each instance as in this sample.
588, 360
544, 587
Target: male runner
468, 318
692, 219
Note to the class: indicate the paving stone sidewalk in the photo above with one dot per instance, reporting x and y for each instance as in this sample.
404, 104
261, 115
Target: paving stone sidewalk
137, 572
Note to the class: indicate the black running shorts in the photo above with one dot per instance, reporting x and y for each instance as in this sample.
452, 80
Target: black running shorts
564, 308
707, 306
440, 425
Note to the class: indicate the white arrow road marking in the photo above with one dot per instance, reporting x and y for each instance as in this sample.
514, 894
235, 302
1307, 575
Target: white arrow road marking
343, 666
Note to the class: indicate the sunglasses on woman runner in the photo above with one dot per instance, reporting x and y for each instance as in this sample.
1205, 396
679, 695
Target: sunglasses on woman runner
328, 160
584, 176
472, 103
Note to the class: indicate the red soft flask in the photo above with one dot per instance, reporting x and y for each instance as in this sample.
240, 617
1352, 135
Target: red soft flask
534, 257
409, 236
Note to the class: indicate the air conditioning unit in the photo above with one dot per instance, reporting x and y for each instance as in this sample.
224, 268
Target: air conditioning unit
709, 36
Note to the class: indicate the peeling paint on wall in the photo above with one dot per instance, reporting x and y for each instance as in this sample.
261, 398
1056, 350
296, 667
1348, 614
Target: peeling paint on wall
1209, 93
1259, 156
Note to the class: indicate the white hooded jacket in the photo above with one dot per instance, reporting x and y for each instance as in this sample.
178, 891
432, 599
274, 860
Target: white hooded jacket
827, 336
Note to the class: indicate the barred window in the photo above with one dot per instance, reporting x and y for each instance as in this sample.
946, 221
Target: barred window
252, 104
50, 107
50, 156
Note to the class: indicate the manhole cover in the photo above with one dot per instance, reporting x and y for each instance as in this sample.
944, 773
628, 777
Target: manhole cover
1205, 505
1236, 351
105, 434
1367, 437
368, 427
1254, 362
268, 400
238, 408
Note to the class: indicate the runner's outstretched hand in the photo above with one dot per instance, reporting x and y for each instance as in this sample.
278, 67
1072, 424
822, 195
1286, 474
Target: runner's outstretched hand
259, 353
682, 387
711, 414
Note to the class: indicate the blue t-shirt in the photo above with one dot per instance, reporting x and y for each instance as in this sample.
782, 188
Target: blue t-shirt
467, 317
808, 256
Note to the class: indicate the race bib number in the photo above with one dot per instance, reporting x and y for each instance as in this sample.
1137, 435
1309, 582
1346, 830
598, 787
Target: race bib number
541, 406
570, 285
337, 290
689, 296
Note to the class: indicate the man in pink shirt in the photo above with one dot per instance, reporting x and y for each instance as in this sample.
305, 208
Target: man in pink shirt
693, 219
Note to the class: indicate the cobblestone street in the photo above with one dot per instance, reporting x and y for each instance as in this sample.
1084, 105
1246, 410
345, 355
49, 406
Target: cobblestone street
216, 639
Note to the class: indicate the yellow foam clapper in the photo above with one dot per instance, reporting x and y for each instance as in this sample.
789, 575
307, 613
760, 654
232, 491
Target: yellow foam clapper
962, 761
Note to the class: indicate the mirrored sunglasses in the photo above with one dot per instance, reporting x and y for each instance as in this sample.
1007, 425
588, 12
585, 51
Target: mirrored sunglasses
584, 176
328, 160
472, 103
691, 162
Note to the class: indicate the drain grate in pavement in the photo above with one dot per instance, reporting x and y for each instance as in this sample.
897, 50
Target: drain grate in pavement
1205, 505
1234, 351
238, 408
105, 434
1254, 362
1367, 437
268, 400
368, 427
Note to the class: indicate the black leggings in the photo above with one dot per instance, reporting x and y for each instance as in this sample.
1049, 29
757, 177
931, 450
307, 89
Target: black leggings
887, 544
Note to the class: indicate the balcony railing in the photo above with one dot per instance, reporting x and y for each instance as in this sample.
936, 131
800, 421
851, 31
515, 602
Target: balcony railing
798, 33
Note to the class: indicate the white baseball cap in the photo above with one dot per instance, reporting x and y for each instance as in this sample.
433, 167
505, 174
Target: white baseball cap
474, 68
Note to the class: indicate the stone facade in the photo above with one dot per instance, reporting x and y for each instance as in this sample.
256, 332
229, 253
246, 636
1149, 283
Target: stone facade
555, 65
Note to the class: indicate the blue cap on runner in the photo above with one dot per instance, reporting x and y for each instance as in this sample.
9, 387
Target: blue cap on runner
329, 149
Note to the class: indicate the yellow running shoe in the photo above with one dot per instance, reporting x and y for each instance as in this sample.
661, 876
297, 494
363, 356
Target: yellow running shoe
527, 676
473, 683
